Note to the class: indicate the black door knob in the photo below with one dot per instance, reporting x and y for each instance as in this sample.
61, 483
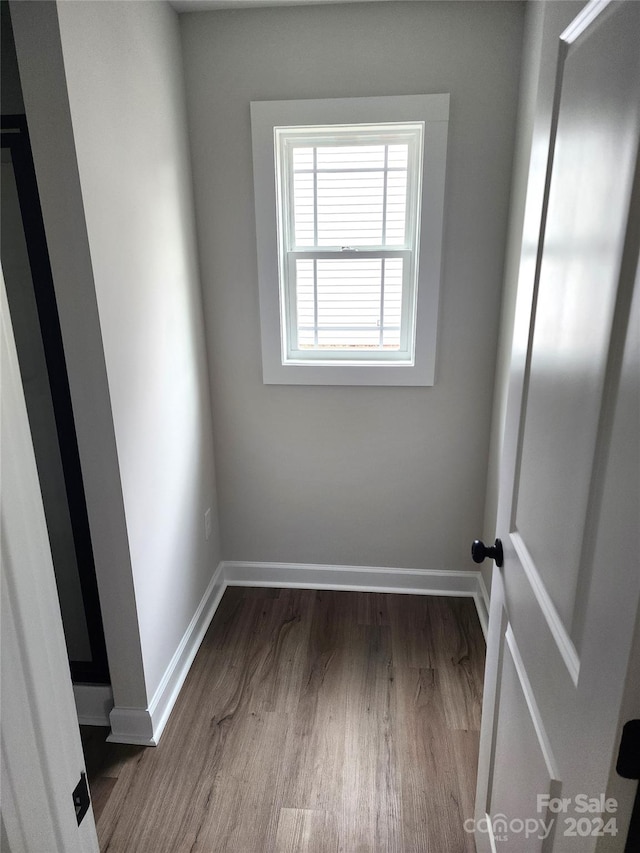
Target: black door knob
479, 551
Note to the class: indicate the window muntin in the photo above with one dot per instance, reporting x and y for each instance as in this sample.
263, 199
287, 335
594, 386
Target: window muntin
348, 217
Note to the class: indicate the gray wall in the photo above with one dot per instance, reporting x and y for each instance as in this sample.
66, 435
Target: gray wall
124, 76
363, 476
43, 81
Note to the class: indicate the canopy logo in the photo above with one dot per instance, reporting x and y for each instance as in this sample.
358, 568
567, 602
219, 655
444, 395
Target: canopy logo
499, 826
578, 817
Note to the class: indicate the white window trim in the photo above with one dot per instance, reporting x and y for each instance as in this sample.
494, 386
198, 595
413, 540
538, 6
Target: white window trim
265, 117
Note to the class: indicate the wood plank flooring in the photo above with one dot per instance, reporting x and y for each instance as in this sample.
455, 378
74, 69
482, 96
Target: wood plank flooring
310, 722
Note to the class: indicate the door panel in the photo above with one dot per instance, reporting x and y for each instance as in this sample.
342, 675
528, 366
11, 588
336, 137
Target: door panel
565, 603
519, 734
585, 228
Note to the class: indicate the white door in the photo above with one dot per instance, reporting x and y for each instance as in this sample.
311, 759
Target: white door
565, 602
41, 757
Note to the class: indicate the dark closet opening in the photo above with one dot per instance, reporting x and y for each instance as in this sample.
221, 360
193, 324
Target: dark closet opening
34, 312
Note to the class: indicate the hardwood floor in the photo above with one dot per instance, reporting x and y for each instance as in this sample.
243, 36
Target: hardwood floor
310, 722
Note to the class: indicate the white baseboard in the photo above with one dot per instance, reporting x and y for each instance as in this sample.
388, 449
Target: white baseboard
145, 726
93, 703
362, 579
357, 578
165, 696
131, 725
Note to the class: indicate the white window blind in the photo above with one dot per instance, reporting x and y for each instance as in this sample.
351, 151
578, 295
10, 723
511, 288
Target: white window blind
351, 193
349, 303
348, 230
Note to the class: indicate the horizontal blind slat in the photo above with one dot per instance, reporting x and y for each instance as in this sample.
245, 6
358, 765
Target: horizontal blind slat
337, 201
339, 306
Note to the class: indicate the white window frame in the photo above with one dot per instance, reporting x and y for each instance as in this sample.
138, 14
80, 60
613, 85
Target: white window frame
413, 367
286, 140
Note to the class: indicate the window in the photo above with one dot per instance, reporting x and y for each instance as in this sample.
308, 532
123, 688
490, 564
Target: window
349, 197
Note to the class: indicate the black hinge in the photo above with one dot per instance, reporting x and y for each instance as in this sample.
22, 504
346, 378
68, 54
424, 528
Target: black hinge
81, 798
628, 766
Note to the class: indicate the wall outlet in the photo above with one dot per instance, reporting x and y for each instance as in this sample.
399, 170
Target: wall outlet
207, 523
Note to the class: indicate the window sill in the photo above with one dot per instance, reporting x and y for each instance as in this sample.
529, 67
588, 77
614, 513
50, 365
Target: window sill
346, 374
